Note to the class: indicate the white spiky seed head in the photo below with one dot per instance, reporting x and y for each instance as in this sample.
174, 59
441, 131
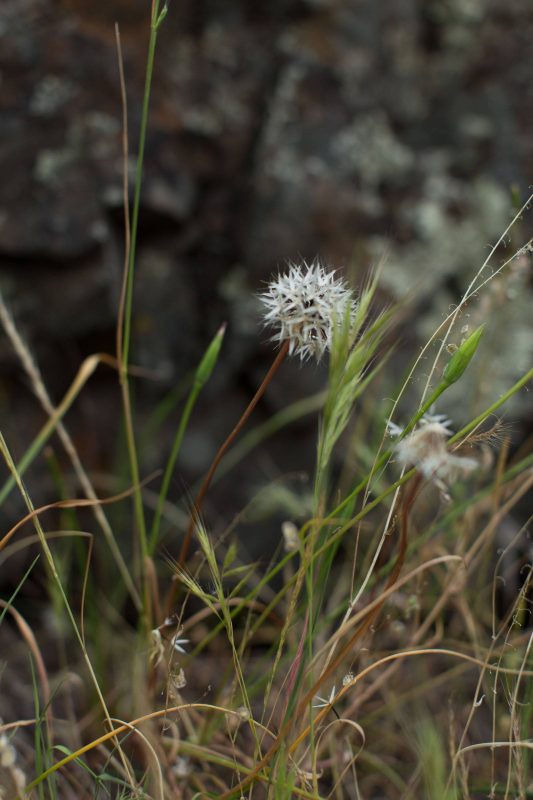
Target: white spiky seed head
304, 305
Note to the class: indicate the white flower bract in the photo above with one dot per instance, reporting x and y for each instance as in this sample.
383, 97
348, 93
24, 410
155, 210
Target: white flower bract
178, 643
323, 702
304, 305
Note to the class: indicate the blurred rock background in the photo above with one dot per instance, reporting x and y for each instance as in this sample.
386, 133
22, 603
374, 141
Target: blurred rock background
349, 129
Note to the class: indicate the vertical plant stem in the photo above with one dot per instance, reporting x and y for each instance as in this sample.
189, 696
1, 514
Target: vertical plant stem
125, 313
191, 400
154, 26
393, 577
278, 361
202, 374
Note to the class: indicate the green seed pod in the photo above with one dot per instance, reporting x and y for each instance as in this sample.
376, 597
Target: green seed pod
462, 357
209, 359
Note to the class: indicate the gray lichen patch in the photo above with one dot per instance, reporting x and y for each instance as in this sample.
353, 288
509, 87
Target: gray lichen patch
368, 149
50, 94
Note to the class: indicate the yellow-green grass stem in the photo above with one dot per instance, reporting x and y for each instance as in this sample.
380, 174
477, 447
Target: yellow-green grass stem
124, 344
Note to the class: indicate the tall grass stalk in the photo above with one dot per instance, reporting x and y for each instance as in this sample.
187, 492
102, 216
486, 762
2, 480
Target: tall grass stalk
126, 312
226, 444
201, 376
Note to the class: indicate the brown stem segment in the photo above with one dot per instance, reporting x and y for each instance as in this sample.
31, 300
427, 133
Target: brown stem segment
195, 513
393, 577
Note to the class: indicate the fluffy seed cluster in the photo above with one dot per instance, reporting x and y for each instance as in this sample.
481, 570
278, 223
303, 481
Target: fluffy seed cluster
12, 779
303, 306
425, 448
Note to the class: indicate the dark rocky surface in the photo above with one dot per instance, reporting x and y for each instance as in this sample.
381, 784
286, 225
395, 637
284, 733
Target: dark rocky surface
277, 131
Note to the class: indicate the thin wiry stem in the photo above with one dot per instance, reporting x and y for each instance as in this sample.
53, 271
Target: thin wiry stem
32, 371
6, 454
278, 361
125, 311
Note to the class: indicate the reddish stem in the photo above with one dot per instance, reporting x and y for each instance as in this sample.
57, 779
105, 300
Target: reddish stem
195, 513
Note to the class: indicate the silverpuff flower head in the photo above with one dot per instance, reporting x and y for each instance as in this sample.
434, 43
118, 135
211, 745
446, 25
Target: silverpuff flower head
304, 305
426, 448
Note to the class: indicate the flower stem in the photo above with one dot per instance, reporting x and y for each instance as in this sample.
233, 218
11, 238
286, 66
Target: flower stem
195, 513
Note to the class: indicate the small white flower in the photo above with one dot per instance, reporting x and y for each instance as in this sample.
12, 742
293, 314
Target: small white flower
303, 306
323, 702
